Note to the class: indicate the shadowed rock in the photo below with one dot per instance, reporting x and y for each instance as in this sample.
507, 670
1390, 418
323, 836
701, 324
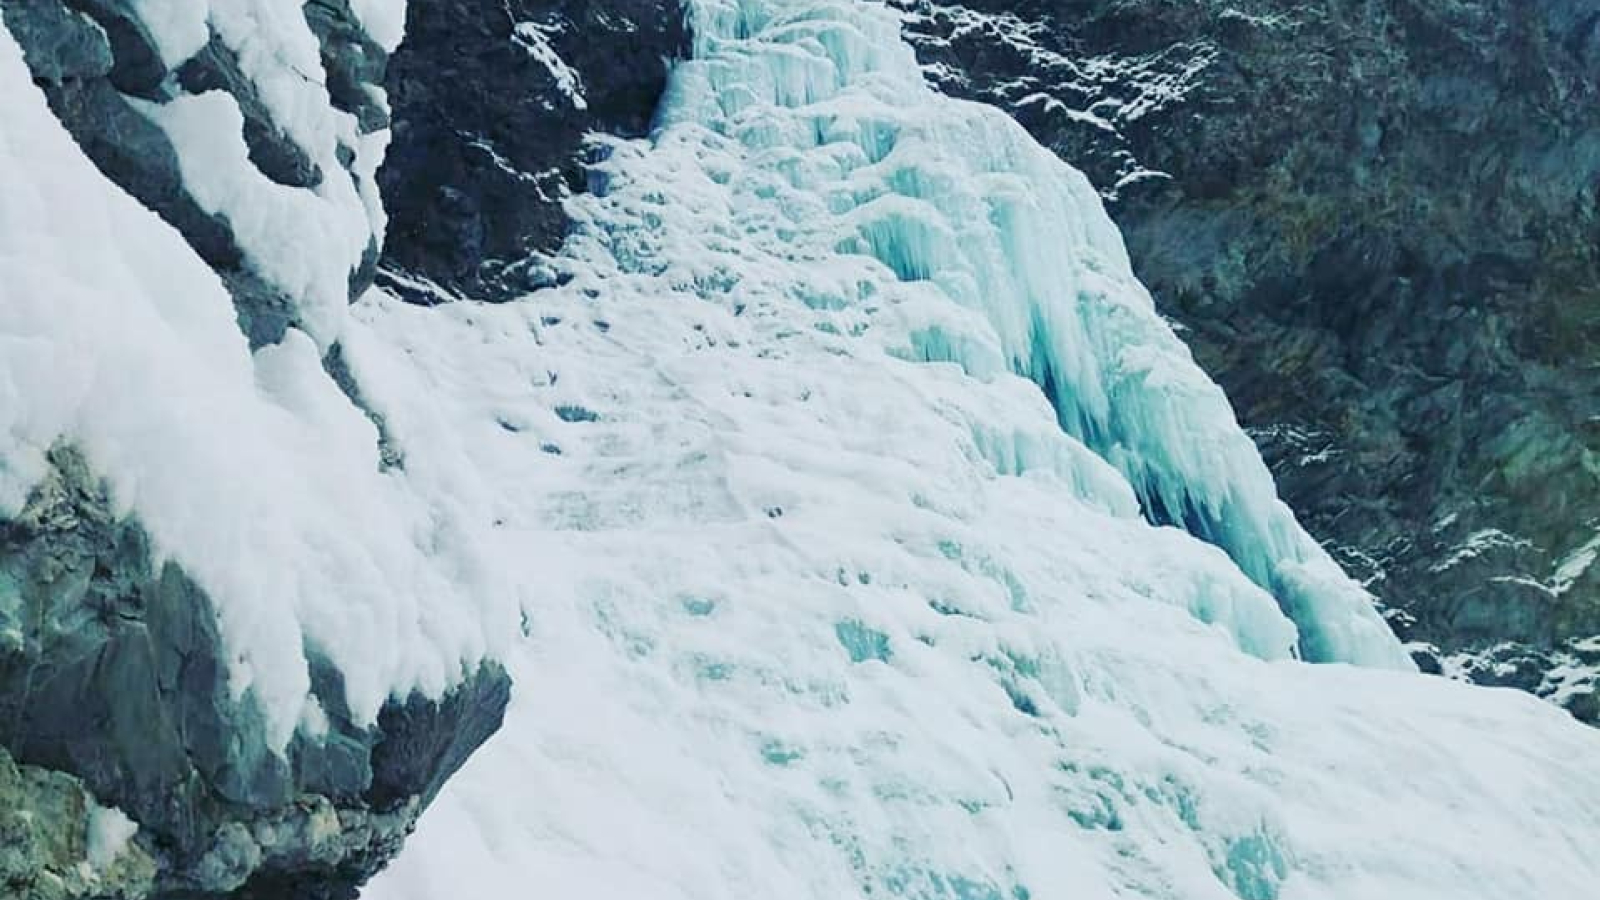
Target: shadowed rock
493, 103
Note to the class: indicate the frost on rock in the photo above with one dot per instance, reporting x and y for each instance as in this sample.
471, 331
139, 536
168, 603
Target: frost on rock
814, 479
534, 37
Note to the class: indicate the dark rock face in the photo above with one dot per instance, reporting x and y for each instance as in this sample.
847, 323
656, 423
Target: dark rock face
492, 105
1379, 224
47, 841
112, 670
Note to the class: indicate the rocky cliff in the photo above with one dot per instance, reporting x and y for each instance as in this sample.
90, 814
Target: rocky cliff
1377, 222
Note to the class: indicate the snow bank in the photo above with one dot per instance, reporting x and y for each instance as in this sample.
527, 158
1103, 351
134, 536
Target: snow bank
108, 832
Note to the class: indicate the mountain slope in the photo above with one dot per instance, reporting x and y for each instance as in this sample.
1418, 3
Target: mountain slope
849, 520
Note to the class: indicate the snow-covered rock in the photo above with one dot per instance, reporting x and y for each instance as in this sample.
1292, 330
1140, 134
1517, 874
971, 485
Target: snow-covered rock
272, 685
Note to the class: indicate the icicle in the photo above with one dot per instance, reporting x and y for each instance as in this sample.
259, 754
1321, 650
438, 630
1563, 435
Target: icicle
958, 196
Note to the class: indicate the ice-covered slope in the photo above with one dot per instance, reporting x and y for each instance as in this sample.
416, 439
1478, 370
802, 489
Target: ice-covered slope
820, 600
817, 597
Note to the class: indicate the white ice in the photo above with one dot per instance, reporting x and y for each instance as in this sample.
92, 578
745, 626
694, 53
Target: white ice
821, 601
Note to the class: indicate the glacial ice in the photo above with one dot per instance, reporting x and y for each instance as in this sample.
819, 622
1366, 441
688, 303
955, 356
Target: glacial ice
807, 516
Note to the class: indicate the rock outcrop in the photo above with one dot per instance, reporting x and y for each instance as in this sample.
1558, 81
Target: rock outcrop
1378, 223
493, 106
98, 62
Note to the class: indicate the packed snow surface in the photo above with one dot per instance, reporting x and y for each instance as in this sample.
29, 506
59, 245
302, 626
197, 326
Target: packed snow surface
810, 517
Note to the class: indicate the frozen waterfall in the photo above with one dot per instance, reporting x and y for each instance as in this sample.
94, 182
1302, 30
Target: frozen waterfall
966, 211
823, 598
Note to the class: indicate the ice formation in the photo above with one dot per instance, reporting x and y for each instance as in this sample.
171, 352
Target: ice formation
824, 600
807, 516
959, 198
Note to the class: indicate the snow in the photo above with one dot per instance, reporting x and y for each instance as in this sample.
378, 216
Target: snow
178, 27
296, 239
534, 37
1575, 565
1476, 544
820, 600
306, 242
384, 21
109, 831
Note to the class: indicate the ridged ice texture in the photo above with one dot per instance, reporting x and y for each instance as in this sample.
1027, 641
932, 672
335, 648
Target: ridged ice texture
822, 602
958, 198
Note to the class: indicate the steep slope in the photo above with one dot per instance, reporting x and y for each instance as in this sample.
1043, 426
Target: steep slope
227, 626
1378, 223
849, 519
828, 601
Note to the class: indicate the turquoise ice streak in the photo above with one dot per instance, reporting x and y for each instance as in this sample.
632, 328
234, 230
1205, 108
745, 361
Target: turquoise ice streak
957, 200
